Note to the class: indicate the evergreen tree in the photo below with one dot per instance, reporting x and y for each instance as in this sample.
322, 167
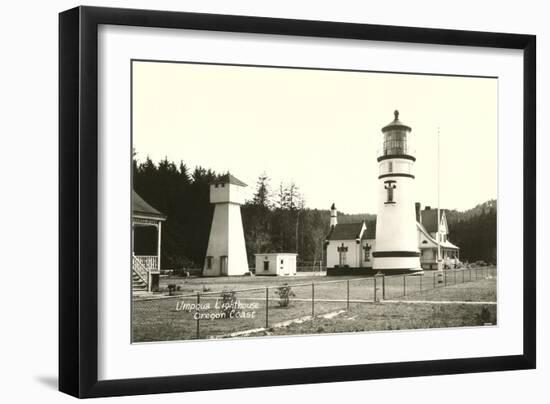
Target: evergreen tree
262, 195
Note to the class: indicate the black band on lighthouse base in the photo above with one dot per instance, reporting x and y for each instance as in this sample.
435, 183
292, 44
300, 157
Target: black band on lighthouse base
392, 254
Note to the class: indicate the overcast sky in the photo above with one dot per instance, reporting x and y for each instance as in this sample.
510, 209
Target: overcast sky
320, 129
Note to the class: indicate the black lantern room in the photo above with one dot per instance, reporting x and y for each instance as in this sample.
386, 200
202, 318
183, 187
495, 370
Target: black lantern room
396, 138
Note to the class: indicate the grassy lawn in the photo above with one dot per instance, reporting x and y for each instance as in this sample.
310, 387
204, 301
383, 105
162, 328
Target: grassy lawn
361, 287
160, 320
173, 318
406, 316
218, 284
399, 316
484, 290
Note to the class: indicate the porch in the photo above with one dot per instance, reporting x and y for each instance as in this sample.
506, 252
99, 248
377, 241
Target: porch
146, 241
450, 258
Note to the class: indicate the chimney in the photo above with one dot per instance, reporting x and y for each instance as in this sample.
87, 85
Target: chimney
417, 207
333, 216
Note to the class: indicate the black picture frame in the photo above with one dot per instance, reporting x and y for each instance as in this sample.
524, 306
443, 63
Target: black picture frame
78, 200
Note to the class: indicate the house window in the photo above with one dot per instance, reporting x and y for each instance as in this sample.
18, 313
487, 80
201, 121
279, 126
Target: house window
266, 265
282, 261
366, 250
390, 167
208, 262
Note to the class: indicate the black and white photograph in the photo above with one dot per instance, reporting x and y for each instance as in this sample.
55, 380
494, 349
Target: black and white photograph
275, 201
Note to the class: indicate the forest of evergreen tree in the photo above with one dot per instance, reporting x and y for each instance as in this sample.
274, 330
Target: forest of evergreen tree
273, 220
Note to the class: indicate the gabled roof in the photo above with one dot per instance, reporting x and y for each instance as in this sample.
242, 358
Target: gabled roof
429, 219
444, 244
370, 232
426, 234
229, 179
346, 231
142, 208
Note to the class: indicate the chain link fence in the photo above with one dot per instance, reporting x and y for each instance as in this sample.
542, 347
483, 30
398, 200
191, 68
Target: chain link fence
233, 313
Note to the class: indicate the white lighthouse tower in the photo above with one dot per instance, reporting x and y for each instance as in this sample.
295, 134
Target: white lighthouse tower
396, 246
226, 252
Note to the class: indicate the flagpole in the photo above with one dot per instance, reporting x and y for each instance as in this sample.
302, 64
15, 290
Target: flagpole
439, 266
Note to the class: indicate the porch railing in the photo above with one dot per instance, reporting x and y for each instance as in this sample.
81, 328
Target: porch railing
150, 262
140, 270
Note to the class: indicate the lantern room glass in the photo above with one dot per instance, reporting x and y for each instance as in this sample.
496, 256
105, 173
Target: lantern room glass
395, 142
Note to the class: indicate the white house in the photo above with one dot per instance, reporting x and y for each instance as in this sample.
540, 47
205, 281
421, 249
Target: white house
226, 252
348, 246
427, 225
276, 264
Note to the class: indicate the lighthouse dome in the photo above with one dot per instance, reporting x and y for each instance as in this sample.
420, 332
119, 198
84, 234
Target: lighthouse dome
396, 124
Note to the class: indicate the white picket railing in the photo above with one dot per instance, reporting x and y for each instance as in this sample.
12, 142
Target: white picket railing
140, 270
150, 262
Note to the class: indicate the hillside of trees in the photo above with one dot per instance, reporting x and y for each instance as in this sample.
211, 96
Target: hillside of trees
475, 232
274, 220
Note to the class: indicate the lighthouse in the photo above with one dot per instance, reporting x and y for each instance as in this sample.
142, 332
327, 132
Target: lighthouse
226, 252
396, 248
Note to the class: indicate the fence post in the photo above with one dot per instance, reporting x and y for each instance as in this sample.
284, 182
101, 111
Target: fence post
433, 278
347, 305
462, 276
404, 285
454, 276
312, 300
421, 276
383, 287
445, 277
374, 285
266, 307
198, 317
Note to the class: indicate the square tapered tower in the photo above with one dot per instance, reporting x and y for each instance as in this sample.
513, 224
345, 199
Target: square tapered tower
226, 252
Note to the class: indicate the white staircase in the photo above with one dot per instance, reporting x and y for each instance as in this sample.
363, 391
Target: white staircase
140, 276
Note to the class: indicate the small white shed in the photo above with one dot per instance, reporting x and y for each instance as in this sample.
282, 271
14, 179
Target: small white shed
276, 264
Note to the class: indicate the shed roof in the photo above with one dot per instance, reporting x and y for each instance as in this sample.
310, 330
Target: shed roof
229, 179
346, 231
141, 207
